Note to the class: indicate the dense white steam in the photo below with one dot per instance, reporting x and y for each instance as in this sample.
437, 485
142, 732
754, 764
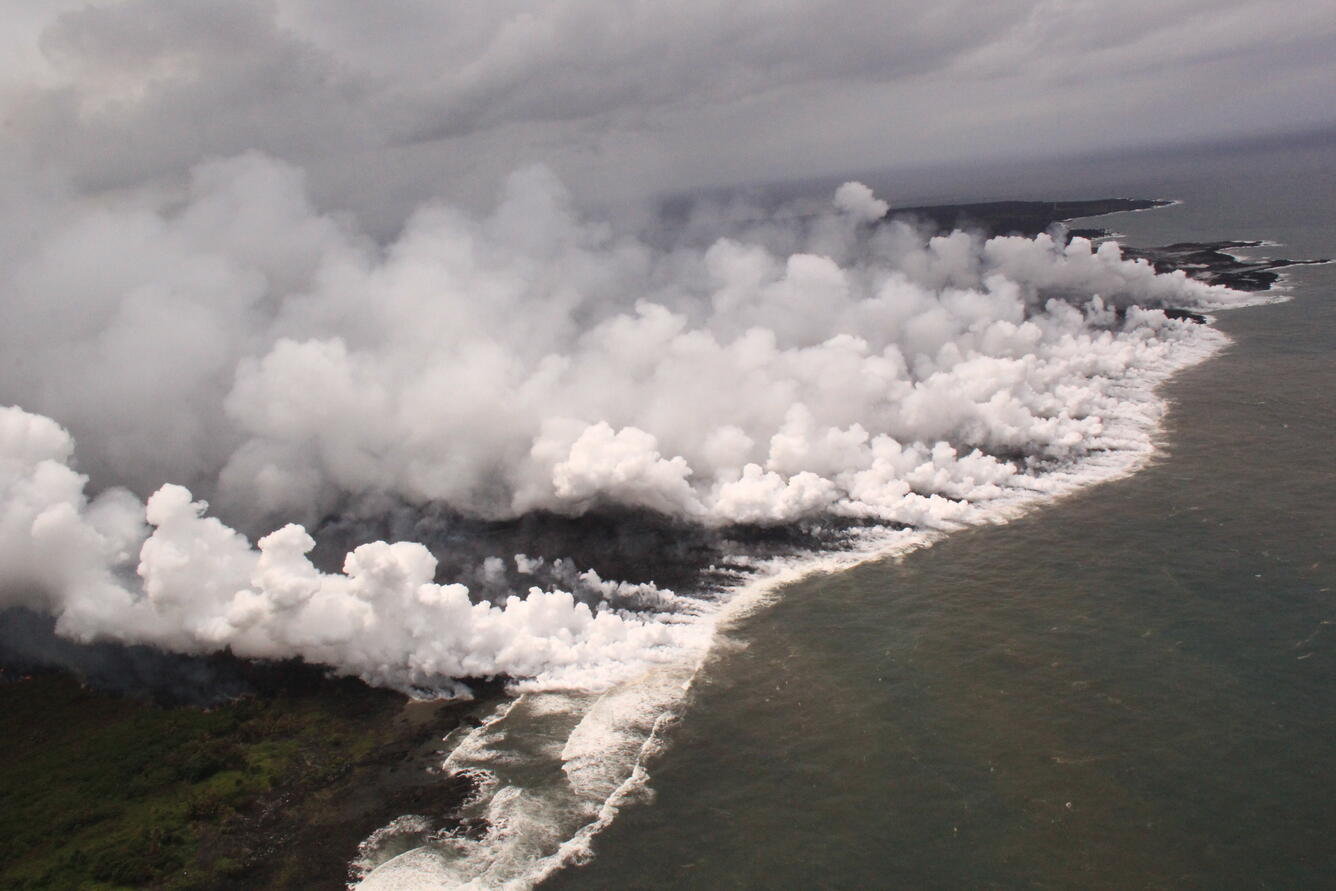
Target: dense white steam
245, 345
270, 357
201, 586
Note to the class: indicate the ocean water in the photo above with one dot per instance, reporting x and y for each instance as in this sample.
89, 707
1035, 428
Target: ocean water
1130, 687
1057, 701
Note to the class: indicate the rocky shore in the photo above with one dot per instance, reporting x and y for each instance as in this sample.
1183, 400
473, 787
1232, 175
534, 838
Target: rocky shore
1211, 262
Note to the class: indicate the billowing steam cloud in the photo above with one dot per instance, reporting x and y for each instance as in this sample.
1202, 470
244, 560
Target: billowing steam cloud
278, 362
201, 586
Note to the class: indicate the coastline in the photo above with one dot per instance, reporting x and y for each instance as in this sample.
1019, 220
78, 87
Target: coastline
1142, 425
773, 565
1104, 652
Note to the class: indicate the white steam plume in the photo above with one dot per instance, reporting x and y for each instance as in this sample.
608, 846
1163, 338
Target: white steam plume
201, 586
277, 361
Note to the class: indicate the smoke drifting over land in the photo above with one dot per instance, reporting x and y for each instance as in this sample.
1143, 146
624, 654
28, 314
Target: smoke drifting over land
278, 362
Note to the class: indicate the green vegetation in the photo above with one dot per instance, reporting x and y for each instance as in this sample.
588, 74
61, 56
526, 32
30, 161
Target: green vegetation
100, 792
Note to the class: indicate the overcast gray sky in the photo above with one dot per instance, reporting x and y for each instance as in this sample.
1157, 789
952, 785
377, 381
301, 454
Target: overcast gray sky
390, 101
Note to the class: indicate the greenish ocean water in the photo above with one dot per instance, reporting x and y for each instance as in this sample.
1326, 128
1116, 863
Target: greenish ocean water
1131, 687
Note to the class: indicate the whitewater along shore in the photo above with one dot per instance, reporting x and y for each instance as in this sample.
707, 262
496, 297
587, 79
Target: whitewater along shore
193, 772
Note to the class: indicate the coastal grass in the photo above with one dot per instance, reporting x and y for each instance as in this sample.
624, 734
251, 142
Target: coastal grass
102, 792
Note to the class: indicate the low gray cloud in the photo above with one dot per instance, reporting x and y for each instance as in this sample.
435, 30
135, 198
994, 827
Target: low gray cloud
387, 102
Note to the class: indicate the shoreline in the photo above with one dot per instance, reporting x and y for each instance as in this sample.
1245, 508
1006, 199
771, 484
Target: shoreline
761, 591
408, 749
768, 582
